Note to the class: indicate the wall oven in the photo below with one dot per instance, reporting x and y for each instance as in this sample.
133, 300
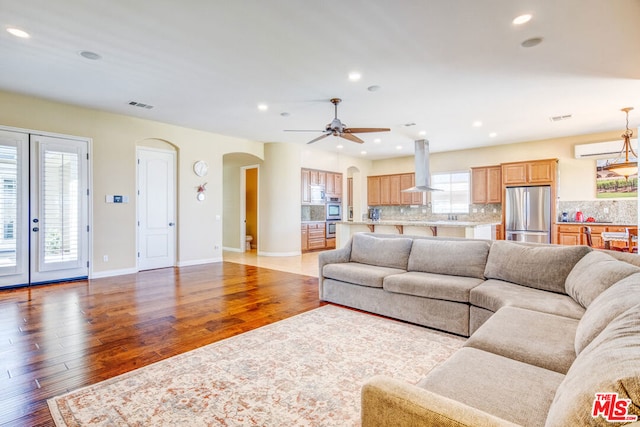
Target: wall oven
334, 209
331, 229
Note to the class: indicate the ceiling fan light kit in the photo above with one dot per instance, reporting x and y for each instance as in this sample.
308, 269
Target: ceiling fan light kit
339, 129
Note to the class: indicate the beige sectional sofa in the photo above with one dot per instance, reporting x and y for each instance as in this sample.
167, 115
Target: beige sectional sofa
550, 326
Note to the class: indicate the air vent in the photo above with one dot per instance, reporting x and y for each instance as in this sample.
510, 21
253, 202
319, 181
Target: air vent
140, 104
560, 118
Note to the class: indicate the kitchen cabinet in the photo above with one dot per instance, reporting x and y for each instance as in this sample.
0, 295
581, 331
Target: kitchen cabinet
537, 172
304, 245
334, 184
316, 236
304, 186
386, 190
373, 190
486, 185
499, 235
571, 234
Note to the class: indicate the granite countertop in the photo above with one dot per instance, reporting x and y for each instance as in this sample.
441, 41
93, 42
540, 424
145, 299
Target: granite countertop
422, 223
615, 224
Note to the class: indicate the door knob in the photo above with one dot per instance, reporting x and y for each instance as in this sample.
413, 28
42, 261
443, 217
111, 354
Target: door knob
35, 229
171, 224
35, 220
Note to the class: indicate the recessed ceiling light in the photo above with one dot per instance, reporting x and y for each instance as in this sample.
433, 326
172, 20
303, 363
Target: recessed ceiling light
354, 76
522, 19
422, 133
493, 135
263, 107
377, 140
409, 124
373, 88
18, 33
87, 54
285, 114
363, 152
533, 41
477, 124
398, 147
339, 146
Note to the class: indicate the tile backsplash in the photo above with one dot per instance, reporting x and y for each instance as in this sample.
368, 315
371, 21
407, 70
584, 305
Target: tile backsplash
480, 213
623, 212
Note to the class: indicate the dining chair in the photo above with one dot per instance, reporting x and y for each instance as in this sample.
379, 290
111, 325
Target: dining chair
632, 244
589, 239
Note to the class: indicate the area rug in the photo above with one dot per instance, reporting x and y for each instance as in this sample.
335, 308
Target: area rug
306, 370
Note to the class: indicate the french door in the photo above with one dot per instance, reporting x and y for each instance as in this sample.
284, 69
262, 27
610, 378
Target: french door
43, 209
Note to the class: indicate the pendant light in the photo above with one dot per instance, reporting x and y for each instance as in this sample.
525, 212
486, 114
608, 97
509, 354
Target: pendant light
625, 168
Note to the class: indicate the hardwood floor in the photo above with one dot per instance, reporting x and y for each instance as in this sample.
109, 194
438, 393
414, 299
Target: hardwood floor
58, 338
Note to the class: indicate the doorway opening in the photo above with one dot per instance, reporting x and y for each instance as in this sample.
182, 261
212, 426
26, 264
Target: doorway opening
250, 207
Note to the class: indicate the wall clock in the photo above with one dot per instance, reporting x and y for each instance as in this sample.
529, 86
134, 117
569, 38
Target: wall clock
200, 168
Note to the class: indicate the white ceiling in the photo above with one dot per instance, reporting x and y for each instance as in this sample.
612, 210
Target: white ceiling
441, 64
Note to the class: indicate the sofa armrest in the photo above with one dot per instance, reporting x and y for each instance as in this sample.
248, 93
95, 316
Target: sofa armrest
387, 401
333, 256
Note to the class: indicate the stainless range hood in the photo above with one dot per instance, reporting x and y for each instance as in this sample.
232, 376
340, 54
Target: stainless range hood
423, 178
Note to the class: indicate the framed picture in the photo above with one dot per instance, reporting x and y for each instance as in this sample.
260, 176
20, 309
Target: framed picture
610, 185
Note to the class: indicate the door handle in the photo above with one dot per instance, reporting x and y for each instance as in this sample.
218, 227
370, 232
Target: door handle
35, 220
35, 229
171, 224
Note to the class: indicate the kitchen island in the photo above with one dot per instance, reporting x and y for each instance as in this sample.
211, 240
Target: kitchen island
464, 229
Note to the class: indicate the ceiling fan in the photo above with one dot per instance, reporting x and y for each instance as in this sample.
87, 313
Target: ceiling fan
337, 128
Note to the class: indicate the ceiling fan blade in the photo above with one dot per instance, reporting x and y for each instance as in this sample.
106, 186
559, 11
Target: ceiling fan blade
351, 137
365, 130
319, 138
302, 130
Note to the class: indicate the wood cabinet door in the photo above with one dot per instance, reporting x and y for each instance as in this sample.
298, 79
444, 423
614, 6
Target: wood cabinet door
494, 184
322, 178
541, 172
385, 190
373, 190
304, 186
304, 245
330, 189
407, 180
570, 239
337, 184
349, 191
394, 190
479, 185
514, 173
314, 178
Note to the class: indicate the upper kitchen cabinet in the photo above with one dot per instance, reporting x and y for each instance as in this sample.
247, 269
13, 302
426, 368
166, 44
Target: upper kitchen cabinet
538, 172
486, 185
304, 186
334, 184
386, 190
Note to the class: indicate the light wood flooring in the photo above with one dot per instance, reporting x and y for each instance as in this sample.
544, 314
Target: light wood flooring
60, 337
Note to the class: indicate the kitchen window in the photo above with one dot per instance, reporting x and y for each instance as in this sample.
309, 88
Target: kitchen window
454, 199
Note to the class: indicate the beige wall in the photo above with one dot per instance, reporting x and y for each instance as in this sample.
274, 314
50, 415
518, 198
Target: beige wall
577, 177
115, 138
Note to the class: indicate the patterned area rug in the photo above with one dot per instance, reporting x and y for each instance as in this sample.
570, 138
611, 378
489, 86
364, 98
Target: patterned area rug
304, 371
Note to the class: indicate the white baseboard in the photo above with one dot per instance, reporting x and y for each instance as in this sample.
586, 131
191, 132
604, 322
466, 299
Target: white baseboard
198, 262
296, 253
111, 273
224, 248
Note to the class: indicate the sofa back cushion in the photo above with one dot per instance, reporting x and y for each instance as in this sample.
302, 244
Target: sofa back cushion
537, 266
606, 307
594, 273
384, 252
610, 364
452, 257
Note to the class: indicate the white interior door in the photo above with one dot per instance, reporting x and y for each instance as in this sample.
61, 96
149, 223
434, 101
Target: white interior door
156, 208
14, 208
59, 230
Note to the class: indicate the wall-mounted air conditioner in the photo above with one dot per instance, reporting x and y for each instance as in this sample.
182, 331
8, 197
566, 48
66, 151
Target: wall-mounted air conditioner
602, 150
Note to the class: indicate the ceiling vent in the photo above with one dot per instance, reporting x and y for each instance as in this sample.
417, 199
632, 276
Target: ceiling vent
560, 118
140, 104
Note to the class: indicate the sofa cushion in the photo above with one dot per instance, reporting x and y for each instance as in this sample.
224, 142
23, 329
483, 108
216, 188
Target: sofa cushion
494, 294
543, 267
383, 252
594, 273
359, 274
428, 285
503, 387
436, 256
608, 365
607, 306
539, 339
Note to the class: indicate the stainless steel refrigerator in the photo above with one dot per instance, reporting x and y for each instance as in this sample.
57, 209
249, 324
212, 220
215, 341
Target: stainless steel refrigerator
528, 214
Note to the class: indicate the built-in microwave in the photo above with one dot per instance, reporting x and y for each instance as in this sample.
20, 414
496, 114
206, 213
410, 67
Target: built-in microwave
334, 209
317, 194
